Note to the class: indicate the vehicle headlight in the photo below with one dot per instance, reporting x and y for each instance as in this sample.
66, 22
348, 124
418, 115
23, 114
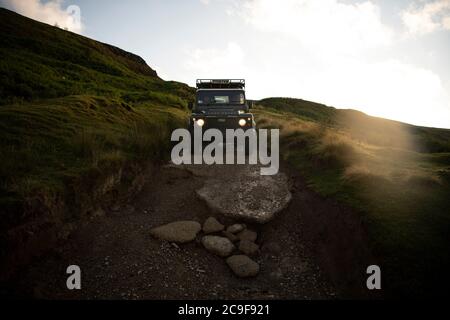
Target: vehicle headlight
242, 122
200, 122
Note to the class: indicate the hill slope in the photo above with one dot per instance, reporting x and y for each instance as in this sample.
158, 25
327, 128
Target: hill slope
80, 121
56, 86
41, 61
396, 175
372, 129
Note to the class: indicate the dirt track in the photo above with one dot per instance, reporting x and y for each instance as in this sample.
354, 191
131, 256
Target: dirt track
120, 260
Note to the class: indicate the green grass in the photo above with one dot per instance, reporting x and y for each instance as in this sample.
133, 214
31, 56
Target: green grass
73, 108
364, 128
48, 144
41, 62
387, 174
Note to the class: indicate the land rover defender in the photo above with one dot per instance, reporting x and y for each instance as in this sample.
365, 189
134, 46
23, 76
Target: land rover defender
221, 104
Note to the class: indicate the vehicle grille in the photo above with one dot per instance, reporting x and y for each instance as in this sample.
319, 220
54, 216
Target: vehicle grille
221, 112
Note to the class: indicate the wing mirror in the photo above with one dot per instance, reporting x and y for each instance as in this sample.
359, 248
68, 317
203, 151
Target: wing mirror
250, 104
190, 105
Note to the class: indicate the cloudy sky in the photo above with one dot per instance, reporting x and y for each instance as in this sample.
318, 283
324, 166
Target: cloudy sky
388, 58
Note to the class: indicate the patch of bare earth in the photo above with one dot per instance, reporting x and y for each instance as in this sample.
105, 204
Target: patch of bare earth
119, 258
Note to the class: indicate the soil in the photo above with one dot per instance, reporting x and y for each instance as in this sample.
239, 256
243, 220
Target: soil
119, 259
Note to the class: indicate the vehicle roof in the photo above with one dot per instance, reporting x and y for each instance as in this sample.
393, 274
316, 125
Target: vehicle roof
220, 84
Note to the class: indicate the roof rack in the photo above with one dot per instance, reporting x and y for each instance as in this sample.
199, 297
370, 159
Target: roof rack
220, 84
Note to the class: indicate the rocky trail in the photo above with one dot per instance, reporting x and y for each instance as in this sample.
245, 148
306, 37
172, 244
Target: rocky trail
194, 232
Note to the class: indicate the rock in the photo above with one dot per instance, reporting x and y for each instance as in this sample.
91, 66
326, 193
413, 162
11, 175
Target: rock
248, 235
178, 232
211, 225
236, 228
243, 193
230, 236
249, 248
218, 245
243, 266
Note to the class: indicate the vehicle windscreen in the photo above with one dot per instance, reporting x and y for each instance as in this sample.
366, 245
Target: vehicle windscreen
220, 97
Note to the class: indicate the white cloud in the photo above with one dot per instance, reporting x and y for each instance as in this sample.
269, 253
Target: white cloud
50, 12
427, 17
216, 62
330, 52
390, 88
446, 23
326, 24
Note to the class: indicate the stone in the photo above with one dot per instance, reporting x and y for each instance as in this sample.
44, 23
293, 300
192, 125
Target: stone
249, 248
236, 228
211, 225
243, 266
230, 236
248, 235
246, 195
178, 232
220, 246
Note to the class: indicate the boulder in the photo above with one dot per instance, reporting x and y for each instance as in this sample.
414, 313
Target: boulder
236, 228
230, 236
245, 194
248, 235
243, 266
178, 232
220, 246
249, 248
211, 225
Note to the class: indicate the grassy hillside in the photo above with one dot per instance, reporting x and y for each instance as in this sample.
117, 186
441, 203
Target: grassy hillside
40, 61
72, 108
364, 127
396, 175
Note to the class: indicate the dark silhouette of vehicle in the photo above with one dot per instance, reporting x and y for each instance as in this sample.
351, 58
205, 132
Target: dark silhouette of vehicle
221, 104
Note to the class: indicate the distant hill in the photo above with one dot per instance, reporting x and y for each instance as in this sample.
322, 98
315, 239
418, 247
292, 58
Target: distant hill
371, 129
42, 61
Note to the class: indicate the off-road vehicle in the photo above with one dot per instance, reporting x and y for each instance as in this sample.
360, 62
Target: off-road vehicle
221, 104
